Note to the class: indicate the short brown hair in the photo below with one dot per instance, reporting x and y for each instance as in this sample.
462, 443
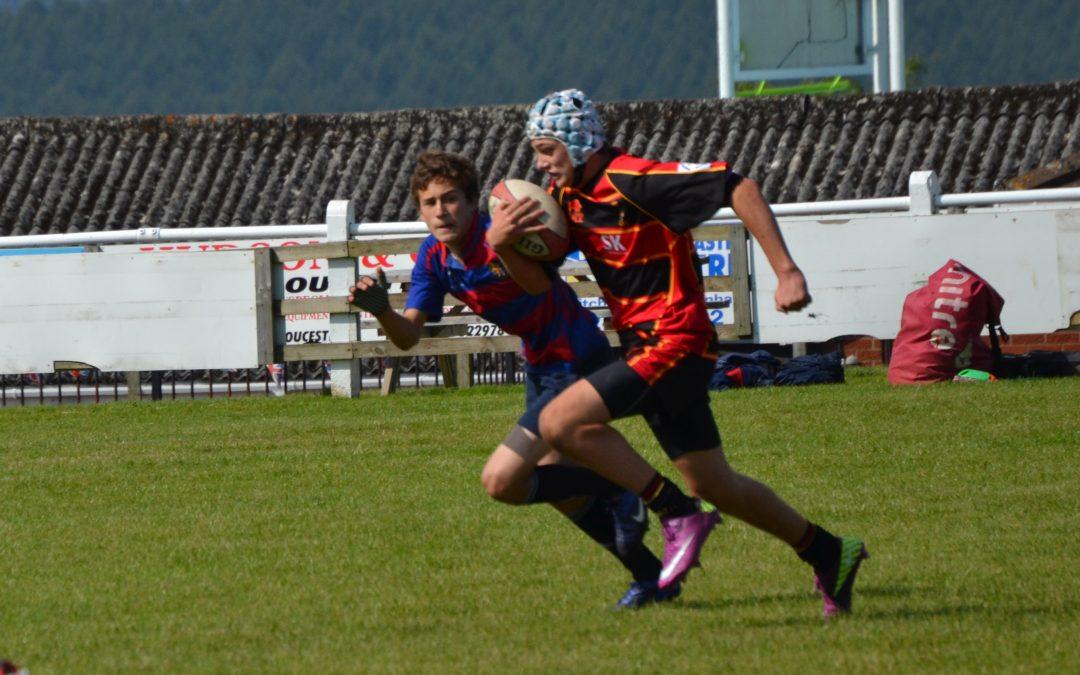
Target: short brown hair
438, 165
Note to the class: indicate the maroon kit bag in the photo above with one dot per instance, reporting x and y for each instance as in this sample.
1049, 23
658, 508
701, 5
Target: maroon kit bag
941, 326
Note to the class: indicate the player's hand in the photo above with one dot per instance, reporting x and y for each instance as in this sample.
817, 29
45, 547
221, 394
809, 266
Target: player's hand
791, 292
513, 220
370, 294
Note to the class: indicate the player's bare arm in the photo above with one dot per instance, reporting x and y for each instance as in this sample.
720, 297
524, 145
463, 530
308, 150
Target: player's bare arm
749, 204
403, 330
509, 223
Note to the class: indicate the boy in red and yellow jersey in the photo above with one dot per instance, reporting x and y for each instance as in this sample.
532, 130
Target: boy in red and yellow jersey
631, 217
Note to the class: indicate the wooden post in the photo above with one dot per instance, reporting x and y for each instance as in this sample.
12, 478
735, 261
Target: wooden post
448, 367
739, 271
391, 375
134, 385
464, 370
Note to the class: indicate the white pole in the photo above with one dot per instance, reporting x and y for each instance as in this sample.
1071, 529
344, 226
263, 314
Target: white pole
724, 52
896, 45
342, 273
158, 234
875, 45
967, 199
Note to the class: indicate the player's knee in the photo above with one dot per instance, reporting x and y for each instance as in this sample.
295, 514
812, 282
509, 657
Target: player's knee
500, 486
493, 484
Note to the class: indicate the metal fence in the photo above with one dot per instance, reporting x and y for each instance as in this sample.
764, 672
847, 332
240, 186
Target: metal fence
94, 386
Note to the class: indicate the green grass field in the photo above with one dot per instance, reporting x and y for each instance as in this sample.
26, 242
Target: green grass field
318, 535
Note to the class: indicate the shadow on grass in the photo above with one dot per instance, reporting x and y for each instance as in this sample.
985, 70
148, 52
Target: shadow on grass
798, 600
790, 597
996, 610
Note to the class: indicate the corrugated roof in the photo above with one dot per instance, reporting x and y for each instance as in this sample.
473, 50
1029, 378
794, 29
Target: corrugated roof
89, 174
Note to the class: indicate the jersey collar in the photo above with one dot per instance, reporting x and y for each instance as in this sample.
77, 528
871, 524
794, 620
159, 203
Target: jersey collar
474, 245
610, 153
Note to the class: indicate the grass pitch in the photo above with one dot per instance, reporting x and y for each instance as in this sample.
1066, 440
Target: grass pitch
320, 535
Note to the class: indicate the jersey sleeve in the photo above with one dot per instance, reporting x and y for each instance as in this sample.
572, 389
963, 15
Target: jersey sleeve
679, 195
426, 289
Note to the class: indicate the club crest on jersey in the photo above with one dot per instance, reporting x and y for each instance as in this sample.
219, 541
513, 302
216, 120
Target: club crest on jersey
612, 242
689, 167
497, 269
573, 210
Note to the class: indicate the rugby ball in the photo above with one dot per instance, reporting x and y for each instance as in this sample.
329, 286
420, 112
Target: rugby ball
546, 245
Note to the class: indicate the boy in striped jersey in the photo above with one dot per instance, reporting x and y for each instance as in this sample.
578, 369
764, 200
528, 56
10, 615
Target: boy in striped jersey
471, 257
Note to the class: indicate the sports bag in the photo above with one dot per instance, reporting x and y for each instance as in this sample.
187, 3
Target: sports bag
941, 326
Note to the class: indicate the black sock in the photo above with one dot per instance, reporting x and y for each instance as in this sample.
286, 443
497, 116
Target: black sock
642, 564
595, 520
666, 500
819, 547
554, 483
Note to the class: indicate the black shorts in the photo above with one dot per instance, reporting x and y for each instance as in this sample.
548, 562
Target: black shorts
676, 406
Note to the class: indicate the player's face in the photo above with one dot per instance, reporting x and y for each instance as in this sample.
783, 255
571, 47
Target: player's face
446, 211
553, 159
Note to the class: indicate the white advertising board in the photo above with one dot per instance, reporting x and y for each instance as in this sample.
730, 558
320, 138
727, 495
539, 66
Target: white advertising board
298, 280
126, 312
861, 267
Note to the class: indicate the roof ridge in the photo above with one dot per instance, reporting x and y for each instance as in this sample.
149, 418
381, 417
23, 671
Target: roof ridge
66, 174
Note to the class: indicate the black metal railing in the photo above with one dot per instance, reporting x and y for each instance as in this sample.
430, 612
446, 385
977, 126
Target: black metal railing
94, 386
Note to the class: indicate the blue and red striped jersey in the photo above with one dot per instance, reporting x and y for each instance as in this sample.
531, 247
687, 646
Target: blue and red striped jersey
557, 333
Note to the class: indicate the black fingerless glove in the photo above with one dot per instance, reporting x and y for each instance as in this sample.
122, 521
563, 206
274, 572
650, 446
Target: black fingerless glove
375, 299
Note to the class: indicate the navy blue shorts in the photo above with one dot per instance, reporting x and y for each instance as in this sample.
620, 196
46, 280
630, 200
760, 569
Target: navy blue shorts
539, 390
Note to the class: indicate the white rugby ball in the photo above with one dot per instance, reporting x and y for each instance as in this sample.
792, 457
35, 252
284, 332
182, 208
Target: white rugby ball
546, 245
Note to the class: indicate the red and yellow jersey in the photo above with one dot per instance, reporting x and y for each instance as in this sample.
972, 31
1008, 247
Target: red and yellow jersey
632, 223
